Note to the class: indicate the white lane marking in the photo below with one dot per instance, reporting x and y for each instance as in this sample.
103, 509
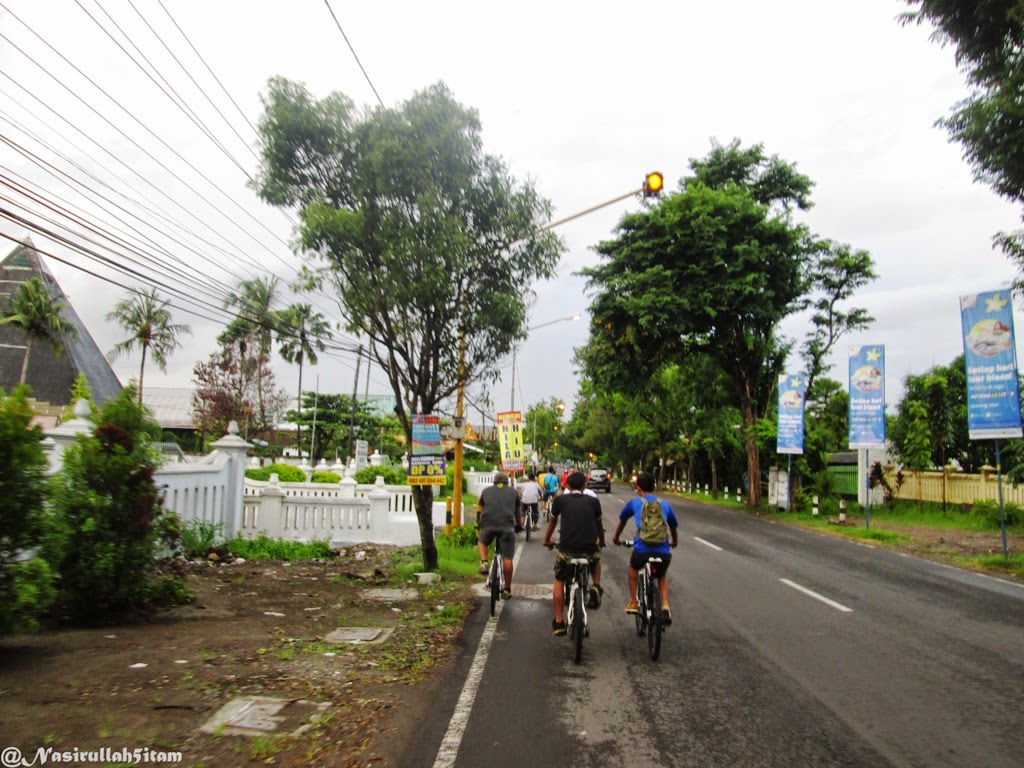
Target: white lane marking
816, 596
707, 543
452, 740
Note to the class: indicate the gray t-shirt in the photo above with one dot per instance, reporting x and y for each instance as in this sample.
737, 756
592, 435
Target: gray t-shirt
498, 507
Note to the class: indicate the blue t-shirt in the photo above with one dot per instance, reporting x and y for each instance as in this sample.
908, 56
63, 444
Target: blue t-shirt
632, 509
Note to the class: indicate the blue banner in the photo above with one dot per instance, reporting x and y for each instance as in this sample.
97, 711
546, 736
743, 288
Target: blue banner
990, 357
426, 460
792, 394
867, 396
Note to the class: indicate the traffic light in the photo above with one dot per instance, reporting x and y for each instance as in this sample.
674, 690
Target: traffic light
653, 183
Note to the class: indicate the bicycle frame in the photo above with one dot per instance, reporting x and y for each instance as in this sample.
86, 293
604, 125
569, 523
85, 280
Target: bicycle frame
496, 576
576, 619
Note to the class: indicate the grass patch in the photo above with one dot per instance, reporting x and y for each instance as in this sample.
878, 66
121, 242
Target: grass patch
1011, 566
265, 548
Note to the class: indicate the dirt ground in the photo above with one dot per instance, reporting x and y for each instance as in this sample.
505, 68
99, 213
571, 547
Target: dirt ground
261, 630
255, 629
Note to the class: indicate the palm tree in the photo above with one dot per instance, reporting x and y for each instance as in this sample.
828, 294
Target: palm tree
255, 320
146, 317
37, 314
301, 333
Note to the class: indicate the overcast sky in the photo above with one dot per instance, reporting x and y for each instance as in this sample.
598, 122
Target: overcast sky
581, 99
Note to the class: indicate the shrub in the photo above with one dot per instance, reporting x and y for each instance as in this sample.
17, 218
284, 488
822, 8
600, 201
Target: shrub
461, 536
391, 475
199, 537
988, 510
265, 548
26, 589
106, 513
325, 477
286, 473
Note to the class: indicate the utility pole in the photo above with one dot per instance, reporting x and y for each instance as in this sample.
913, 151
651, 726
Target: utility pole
457, 486
352, 411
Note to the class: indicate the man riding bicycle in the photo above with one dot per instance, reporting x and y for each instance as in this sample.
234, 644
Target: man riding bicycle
642, 550
581, 534
499, 517
529, 495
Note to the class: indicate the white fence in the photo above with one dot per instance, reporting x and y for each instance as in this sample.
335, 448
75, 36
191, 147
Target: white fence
214, 490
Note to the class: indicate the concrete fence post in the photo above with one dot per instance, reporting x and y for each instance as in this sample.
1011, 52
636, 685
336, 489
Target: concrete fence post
271, 511
380, 518
235, 449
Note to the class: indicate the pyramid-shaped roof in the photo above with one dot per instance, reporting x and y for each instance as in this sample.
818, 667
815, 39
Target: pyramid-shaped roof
50, 375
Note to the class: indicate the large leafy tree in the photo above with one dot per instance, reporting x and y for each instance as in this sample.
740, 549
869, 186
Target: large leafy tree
328, 419
301, 332
713, 269
37, 313
147, 319
989, 124
426, 239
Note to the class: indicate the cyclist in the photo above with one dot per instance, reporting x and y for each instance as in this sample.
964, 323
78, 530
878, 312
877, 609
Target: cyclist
499, 517
550, 486
581, 534
642, 550
529, 497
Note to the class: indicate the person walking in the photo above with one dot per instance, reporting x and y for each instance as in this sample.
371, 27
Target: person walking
581, 534
499, 517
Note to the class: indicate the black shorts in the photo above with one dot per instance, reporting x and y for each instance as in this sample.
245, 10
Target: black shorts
506, 539
548, 495
531, 509
638, 559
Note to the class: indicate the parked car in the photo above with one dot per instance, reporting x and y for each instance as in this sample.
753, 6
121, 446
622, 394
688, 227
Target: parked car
600, 480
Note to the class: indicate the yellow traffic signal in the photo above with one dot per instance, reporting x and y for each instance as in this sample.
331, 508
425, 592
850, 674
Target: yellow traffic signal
653, 184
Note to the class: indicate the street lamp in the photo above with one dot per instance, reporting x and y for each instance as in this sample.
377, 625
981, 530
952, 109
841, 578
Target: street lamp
567, 318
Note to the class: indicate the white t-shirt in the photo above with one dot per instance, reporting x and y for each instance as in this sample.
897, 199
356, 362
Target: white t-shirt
529, 492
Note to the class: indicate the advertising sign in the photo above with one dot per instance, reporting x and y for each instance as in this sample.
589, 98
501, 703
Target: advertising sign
792, 394
426, 462
510, 441
867, 396
990, 357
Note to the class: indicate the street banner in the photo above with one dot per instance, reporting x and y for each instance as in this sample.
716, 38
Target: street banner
426, 461
990, 357
792, 394
867, 396
510, 441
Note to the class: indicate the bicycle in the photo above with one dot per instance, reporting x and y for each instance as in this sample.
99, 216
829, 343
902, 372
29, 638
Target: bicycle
529, 519
496, 576
576, 620
648, 597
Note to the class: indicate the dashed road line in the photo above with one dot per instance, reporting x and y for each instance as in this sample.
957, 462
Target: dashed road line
707, 543
816, 596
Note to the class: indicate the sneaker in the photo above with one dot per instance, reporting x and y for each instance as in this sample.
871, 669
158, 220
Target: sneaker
558, 628
666, 616
506, 594
595, 597
484, 567
633, 606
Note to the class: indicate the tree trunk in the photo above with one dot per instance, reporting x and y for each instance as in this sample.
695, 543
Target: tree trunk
423, 499
142, 370
753, 457
714, 478
298, 411
24, 362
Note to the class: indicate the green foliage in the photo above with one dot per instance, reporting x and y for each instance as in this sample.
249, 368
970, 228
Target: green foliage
460, 536
36, 312
449, 482
79, 390
199, 537
988, 511
286, 473
325, 477
25, 590
265, 548
391, 475
105, 512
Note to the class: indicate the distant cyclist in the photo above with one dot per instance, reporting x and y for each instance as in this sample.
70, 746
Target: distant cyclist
529, 495
581, 534
550, 486
499, 517
636, 509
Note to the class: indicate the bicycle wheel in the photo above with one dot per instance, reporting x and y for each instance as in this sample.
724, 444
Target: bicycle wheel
655, 629
496, 570
577, 625
641, 610
529, 525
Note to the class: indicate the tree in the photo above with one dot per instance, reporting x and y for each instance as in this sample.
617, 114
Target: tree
26, 587
835, 276
226, 390
426, 239
328, 417
301, 333
916, 450
148, 321
713, 269
37, 313
255, 319
988, 124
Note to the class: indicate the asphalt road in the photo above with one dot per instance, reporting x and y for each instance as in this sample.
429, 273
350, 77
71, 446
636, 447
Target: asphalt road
788, 648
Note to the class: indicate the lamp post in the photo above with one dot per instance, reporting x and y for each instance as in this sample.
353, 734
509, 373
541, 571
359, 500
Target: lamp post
567, 318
